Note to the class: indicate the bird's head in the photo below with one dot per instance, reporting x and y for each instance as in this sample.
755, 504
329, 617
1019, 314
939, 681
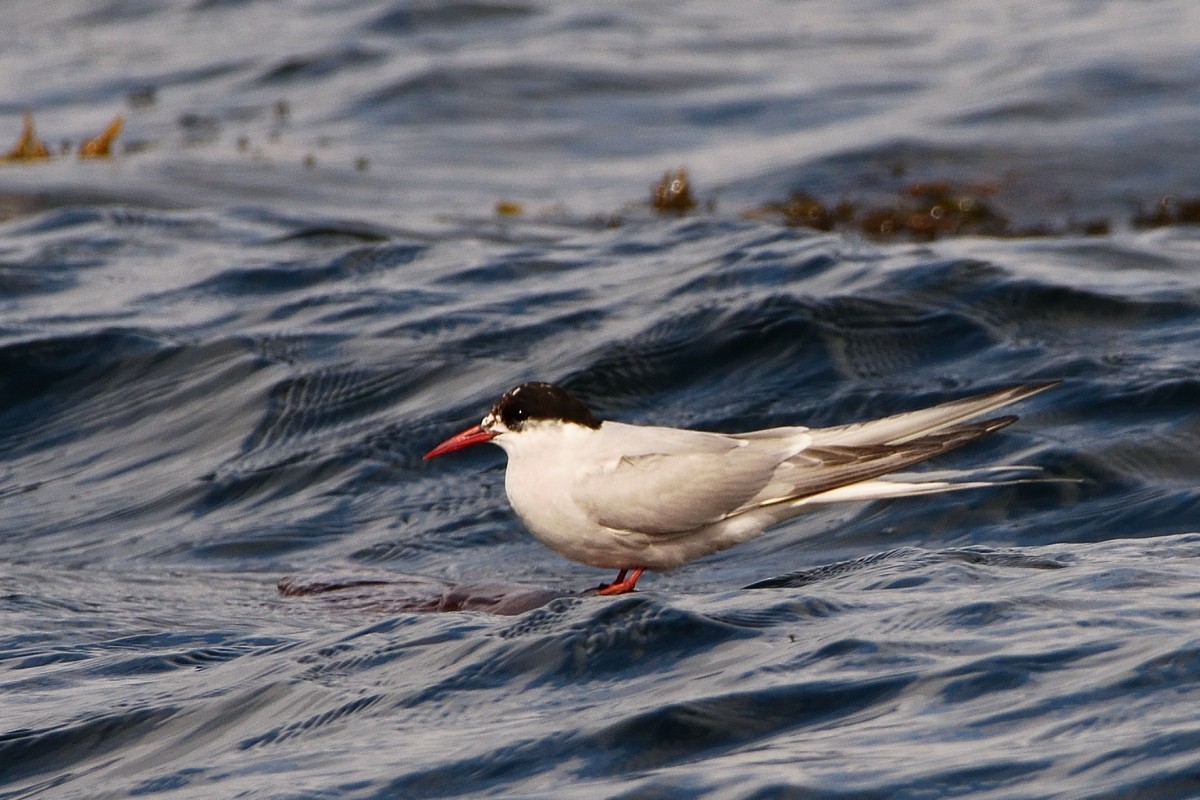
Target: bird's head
526, 407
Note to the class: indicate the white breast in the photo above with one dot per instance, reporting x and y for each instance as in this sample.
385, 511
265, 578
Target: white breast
542, 468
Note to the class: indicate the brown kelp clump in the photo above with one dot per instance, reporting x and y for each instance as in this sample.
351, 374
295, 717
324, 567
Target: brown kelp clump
673, 193
919, 211
1169, 210
803, 210
932, 210
885, 207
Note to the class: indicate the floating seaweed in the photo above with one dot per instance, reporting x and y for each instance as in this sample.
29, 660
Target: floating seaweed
1169, 210
28, 147
803, 210
673, 194
921, 211
100, 146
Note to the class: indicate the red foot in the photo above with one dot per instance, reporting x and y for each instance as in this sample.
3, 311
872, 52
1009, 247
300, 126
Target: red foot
622, 585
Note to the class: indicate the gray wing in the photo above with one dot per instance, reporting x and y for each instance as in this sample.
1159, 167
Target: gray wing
673, 492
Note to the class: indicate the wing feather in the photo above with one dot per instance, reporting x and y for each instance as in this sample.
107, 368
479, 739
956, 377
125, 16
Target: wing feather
669, 493
912, 425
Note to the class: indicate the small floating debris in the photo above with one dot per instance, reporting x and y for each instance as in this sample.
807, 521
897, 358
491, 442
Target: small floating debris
198, 129
28, 147
101, 146
1091, 227
1169, 210
673, 194
509, 208
142, 97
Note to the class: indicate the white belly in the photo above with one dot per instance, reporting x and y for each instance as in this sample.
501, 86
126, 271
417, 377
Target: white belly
539, 483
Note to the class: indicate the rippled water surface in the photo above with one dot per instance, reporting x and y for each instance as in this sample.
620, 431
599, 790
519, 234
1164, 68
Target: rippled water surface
224, 350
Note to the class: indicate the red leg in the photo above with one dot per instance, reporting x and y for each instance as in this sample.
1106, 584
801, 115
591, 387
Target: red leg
621, 585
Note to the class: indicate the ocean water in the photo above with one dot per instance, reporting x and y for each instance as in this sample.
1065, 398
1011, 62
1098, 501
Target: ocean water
332, 233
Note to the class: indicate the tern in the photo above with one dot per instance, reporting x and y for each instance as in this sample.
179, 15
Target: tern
638, 497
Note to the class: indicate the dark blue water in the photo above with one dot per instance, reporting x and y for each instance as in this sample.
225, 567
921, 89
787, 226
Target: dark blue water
224, 350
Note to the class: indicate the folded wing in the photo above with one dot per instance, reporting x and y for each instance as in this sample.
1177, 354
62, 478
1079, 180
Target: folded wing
674, 492
912, 425
694, 479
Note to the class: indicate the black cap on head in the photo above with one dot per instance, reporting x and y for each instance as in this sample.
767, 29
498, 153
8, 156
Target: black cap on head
534, 401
